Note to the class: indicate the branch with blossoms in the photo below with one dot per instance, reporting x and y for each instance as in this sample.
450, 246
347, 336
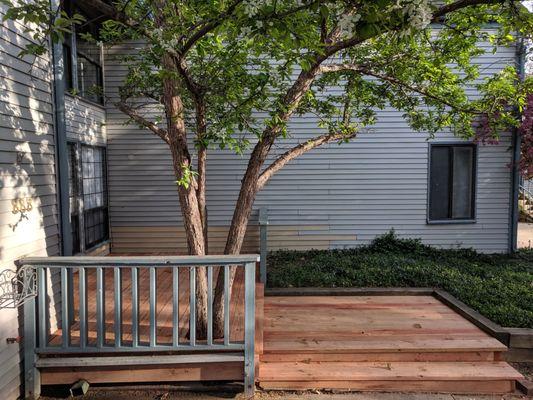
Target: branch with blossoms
526, 135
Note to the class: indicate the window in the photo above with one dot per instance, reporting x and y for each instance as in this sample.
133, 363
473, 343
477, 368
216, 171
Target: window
88, 196
82, 58
73, 191
94, 195
451, 183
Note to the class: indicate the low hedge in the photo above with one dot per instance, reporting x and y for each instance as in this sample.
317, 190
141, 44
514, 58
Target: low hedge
498, 286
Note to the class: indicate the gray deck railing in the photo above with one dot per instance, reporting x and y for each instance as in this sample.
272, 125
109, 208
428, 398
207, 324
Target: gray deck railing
37, 313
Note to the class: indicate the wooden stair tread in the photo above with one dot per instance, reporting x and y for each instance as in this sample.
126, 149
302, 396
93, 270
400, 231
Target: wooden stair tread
386, 371
463, 387
381, 345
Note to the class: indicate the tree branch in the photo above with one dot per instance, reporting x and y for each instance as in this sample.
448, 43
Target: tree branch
135, 116
339, 67
208, 26
111, 12
420, 90
391, 79
296, 151
457, 5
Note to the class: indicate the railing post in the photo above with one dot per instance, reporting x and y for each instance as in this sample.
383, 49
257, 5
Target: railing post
249, 330
32, 378
263, 245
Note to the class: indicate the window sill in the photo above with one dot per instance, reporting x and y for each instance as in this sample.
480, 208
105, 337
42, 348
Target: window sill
450, 221
84, 100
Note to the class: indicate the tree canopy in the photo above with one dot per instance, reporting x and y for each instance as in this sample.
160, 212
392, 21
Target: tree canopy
232, 73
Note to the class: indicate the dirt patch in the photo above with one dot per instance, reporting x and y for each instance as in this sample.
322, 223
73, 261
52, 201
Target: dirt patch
525, 368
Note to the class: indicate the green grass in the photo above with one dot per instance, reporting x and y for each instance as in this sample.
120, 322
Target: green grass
498, 286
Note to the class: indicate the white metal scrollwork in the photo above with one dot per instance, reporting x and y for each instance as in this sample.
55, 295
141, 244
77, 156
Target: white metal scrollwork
17, 286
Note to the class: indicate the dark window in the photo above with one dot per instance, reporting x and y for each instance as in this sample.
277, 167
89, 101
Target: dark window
67, 63
451, 182
93, 162
73, 179
88, 196
83, 73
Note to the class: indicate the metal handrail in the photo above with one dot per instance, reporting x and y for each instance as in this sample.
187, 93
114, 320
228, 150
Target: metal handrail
37, 314
526, 191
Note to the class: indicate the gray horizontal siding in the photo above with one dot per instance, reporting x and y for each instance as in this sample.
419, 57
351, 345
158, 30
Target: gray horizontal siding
85, 121
335, 196
27, 171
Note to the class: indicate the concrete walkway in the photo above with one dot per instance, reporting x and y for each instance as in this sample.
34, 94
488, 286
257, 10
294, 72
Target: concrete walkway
525, 235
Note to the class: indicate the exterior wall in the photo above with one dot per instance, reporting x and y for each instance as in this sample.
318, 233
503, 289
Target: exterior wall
85, 121
333, 197
27, 173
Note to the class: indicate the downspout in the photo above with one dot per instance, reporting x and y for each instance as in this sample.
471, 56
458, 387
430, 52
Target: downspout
515, 172
61, 141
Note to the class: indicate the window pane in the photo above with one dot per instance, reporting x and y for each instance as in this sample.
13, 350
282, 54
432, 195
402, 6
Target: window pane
93, 164
89, 79
73, 197
94, 195
463, 158
439, 183
67, 66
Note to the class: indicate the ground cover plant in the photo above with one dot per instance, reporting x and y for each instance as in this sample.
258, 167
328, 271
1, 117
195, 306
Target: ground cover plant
498, 286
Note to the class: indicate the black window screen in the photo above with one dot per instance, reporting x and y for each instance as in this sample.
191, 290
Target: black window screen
73, 179
85, 77
93, 162
451, 181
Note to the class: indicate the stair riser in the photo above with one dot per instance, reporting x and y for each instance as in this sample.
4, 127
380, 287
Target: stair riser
383, 357
456, 387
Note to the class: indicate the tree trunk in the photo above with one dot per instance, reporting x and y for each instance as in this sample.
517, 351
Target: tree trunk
192, 219
201, 127
239, 223
250, 187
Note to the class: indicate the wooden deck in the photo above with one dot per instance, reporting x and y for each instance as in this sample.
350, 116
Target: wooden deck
364, 343
385, 343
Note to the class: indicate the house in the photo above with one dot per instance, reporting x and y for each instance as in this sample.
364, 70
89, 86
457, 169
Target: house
76, 180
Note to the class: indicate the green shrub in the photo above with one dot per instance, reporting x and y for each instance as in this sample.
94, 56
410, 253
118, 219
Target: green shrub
498, 286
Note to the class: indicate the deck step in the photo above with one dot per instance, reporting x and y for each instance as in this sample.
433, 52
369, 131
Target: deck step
456, 377
384, 356
368, 344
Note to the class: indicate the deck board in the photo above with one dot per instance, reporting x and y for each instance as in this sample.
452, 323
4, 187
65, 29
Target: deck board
368, 323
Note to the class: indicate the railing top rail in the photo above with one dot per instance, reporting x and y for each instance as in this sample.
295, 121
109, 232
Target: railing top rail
152, 261
526, 191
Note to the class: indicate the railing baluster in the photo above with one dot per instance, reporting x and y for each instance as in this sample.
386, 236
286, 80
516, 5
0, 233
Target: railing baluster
43, 315
153, 304
192, 306
135, 307
83, 306
226, 304
118, 306
210, 305
65, 307
175, 306
100, 314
